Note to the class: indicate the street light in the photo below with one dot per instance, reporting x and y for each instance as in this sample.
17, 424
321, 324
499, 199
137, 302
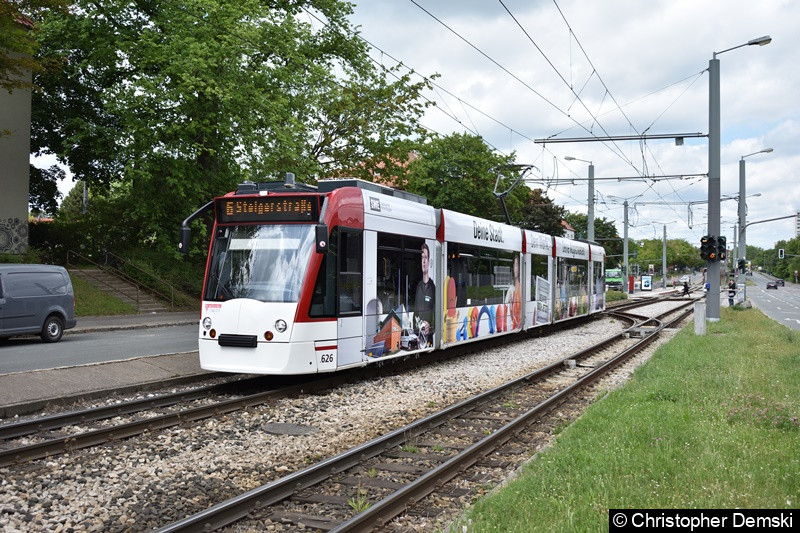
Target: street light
712, 303
743, 215
590, 216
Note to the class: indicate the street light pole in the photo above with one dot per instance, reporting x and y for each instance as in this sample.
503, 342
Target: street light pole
590, 215
712, 267
712, 302
743, 215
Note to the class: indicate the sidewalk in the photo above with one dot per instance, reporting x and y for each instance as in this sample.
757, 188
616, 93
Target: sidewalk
88, 324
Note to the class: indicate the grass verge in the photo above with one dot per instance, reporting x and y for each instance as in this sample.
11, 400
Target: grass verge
708, 422
91, 301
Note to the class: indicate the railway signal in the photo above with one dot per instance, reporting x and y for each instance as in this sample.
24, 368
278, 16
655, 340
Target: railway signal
722, 249
708, 248
781, 253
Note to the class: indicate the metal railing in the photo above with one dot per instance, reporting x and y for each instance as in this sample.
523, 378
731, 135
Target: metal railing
112, 264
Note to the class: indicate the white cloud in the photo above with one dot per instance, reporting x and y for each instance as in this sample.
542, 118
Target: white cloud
641, 51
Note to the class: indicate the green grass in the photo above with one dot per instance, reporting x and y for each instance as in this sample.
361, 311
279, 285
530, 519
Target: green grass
91, 301
708, 422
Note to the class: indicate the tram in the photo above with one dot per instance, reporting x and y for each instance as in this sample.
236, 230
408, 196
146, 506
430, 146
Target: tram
304, 279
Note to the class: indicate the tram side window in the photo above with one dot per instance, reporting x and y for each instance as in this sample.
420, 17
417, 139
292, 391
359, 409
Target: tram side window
350, 258
481, 275
398, 270
539, 273
572, 288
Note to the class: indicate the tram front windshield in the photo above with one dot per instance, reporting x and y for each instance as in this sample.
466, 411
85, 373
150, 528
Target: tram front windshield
265, 263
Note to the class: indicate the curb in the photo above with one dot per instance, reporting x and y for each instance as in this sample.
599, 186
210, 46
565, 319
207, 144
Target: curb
117, 327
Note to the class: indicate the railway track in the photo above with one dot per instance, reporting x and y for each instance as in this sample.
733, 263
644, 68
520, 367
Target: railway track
45, 437
432, 459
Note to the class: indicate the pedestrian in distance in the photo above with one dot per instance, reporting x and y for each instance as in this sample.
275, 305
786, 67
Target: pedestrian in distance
731, 292
686, 288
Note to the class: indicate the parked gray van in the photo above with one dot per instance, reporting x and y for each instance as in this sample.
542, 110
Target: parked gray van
36, 299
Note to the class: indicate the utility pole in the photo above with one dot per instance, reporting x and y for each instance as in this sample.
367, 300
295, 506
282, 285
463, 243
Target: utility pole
664, 260
590, 221
625, 246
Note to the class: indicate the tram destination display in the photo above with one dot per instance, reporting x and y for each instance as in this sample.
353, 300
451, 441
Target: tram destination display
267, 209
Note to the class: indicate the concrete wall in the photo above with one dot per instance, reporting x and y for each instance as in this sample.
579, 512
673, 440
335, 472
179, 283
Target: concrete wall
15, 152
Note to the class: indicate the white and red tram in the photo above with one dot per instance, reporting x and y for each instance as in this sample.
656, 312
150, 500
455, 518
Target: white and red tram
304, 279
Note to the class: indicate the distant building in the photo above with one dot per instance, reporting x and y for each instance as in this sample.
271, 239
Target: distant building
569, 231
797, 224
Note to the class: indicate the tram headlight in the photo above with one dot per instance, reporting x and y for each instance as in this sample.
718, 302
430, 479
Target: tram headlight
280, 325
207, 323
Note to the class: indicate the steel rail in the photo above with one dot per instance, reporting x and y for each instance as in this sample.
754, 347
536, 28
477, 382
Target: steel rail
59, 420
379, 513
100, 436
229, 511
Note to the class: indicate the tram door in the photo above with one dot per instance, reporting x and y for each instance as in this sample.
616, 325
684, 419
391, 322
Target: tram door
349, 259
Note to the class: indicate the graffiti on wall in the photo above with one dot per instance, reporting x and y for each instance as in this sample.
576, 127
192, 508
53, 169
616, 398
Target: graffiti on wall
13, 235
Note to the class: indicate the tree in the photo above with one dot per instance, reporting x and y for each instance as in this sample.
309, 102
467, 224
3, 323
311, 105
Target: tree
784, 268
540, 213
605, 233
18, 42
72, 206
680, 254
458, 172
173, 103
44, 191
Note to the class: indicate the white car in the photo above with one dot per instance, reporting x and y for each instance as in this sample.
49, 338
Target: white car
409, 340
685, 279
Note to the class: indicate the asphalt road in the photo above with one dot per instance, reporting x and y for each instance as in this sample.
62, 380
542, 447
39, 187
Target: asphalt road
20, 354
781, 305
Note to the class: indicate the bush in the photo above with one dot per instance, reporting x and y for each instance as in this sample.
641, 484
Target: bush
613, 296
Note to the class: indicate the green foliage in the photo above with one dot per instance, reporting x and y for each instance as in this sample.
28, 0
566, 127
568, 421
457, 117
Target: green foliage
18, 22
614, 296
164, 105
783, 268
44, 191
604, 231
680, 254
539, 213
32, 256
457, 172
360, 501
72, 206
91, 301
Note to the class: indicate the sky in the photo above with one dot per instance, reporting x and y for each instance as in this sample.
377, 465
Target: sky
519, 71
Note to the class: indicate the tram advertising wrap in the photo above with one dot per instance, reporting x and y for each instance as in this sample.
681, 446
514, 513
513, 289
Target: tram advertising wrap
303, 279
483, 287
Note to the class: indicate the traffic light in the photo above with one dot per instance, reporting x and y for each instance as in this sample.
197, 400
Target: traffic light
708, 248
781, 255
742, 265
722, 250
